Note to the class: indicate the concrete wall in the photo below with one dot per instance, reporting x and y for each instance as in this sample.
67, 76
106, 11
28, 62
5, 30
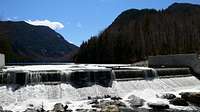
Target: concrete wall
2, 60
177, 60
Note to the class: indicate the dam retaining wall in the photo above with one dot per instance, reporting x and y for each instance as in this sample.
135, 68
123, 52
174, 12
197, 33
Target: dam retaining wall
2, 60
178, 60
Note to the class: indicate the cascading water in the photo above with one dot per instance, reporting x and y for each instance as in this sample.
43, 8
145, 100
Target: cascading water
92, 84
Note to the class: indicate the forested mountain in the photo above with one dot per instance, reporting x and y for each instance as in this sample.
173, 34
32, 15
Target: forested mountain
22, 42
136, 34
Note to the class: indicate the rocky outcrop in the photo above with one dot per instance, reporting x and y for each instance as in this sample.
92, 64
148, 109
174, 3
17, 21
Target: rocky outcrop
110, 108
192, 97
135, 101
30, 110
168, 96
179, 102
158, 106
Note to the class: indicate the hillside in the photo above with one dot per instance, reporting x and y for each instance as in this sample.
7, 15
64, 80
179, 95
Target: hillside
22, 42
136, 34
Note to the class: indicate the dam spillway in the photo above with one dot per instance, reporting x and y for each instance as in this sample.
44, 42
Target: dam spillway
83, 75
22, 85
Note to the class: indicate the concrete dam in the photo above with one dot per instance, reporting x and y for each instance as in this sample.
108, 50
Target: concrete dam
88, 77
21, 85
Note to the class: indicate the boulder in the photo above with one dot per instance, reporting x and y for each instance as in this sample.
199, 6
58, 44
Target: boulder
119, 103
39, 109
58, 107
125, 109
116, 98
82, 110
89, 97
158, 106
95, 106
110, 108
135, 101
104, 103
85, 110
178, 102
168, 96
192, 97
7, 111
107, 96
30, 110
65, 107
94, 101
69, 110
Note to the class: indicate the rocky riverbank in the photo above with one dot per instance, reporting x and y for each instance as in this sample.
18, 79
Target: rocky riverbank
184, 102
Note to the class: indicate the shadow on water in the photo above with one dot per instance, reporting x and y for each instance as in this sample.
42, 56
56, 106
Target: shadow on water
76, 79
85, 79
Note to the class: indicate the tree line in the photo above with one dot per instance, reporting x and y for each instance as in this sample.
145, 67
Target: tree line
136, 34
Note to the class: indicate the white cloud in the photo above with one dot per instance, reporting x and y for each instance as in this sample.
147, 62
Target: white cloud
51, 24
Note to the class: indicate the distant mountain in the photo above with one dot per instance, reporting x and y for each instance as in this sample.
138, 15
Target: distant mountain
22, 42
136, 34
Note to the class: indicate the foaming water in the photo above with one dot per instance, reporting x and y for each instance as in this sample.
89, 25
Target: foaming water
49, 94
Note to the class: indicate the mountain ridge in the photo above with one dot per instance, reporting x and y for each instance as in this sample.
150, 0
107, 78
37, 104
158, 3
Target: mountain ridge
136, 34
23, 42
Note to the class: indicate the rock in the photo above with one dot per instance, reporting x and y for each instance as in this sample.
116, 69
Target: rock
168, 96
185, 95
119, 103
1, 108
105, 103
65, 107
135, 101
98, 97
95, 106
86, 110
107, 96
110, 108
93, 110
94, 101
58, 107
125, 109
30, 105
89, 97
116, 98
30, 110
7, 111
158, 106
40, 109
192, 97
69, 110
82, 110
178, 102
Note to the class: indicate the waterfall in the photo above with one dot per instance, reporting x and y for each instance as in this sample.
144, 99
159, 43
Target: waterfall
77, 84
135, 73
67, 92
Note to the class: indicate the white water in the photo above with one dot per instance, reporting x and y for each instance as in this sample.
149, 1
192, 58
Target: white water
50, 94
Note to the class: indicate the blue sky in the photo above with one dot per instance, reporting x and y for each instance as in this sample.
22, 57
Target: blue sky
76, 20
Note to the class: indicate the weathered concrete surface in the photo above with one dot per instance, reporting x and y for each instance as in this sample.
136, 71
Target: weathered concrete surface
177, 60
2, 60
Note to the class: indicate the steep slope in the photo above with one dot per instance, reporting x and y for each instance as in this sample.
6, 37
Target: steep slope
22, 42
136, 34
